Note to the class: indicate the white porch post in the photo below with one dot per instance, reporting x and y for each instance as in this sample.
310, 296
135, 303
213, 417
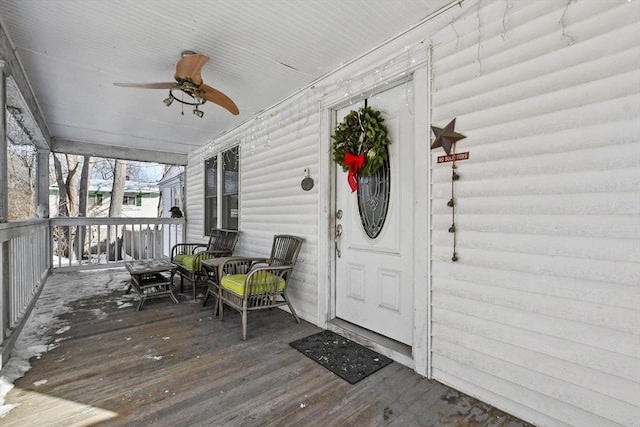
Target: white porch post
4, 211
4, 198
42, 179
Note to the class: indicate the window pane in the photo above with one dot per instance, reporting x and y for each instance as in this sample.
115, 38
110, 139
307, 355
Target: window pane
230, 172
210, 220
210, 194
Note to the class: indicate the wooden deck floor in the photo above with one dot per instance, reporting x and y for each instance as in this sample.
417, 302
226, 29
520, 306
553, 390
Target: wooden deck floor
177, 365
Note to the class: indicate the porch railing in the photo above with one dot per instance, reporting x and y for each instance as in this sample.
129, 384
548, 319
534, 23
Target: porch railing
24, 265
29, 250
82, 243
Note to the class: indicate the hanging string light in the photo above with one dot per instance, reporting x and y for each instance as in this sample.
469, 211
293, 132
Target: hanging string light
354, 89
479, 41
561, 22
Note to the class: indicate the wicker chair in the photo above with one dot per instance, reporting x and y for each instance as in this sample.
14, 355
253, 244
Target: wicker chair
188, 256
248, 284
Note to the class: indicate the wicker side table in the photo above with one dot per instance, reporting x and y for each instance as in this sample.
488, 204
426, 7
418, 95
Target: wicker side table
152, 278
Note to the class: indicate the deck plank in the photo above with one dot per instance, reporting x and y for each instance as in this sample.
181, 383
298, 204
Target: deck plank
177, 364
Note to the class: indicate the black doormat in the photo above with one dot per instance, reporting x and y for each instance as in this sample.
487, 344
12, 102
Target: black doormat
345, 358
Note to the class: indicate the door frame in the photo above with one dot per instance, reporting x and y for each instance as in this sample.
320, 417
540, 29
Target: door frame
420, 357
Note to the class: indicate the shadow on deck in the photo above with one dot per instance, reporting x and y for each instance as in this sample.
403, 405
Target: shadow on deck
177, 365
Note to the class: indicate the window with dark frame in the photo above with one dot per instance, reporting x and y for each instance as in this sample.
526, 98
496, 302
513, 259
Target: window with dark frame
130, 201
210, 194
226, 194
230, 169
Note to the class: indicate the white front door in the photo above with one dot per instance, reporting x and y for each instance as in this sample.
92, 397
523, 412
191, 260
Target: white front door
374, 275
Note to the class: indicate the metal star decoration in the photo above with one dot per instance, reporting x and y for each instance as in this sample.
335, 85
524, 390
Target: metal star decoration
446, 137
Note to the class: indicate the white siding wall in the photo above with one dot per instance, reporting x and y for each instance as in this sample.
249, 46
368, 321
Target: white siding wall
194, 189
297, 131
275, 150
540, 315
274, 203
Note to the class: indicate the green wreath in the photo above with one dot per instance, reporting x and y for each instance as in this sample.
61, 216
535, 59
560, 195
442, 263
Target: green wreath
361, 132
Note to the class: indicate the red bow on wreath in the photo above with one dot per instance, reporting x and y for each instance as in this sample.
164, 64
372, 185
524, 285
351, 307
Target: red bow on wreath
353, 162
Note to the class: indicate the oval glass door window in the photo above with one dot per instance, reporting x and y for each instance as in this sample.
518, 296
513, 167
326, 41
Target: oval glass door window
374, 192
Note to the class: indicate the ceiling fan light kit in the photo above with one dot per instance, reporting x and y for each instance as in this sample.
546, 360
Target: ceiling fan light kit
189, 81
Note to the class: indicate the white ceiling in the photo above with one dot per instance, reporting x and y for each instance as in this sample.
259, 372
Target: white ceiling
72, 52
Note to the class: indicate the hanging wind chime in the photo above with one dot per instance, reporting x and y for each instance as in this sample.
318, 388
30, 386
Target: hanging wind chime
446, 138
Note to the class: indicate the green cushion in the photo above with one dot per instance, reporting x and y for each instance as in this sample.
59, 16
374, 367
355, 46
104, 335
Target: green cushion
180, 257
259, 282
188, 262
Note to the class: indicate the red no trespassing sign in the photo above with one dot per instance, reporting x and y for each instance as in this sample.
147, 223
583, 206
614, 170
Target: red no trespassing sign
449, 158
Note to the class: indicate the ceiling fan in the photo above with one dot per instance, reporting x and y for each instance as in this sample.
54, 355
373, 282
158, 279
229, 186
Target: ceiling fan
189, 82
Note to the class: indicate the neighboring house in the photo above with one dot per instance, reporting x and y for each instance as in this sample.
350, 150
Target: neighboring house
539, 313
171, 188
140, 199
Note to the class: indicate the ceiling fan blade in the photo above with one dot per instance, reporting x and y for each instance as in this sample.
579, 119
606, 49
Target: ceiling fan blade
189, 67
219, 98
164, 85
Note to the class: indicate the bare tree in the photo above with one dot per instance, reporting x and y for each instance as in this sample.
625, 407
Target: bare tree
21, 183
104, 168
62, 188
135, 171
87, 166
73, 163
67, 185
67, 197
115, 206
117, 191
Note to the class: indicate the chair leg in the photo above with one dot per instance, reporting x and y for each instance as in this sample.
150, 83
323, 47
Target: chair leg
216, 307
205, 299
244, 325
293, 312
